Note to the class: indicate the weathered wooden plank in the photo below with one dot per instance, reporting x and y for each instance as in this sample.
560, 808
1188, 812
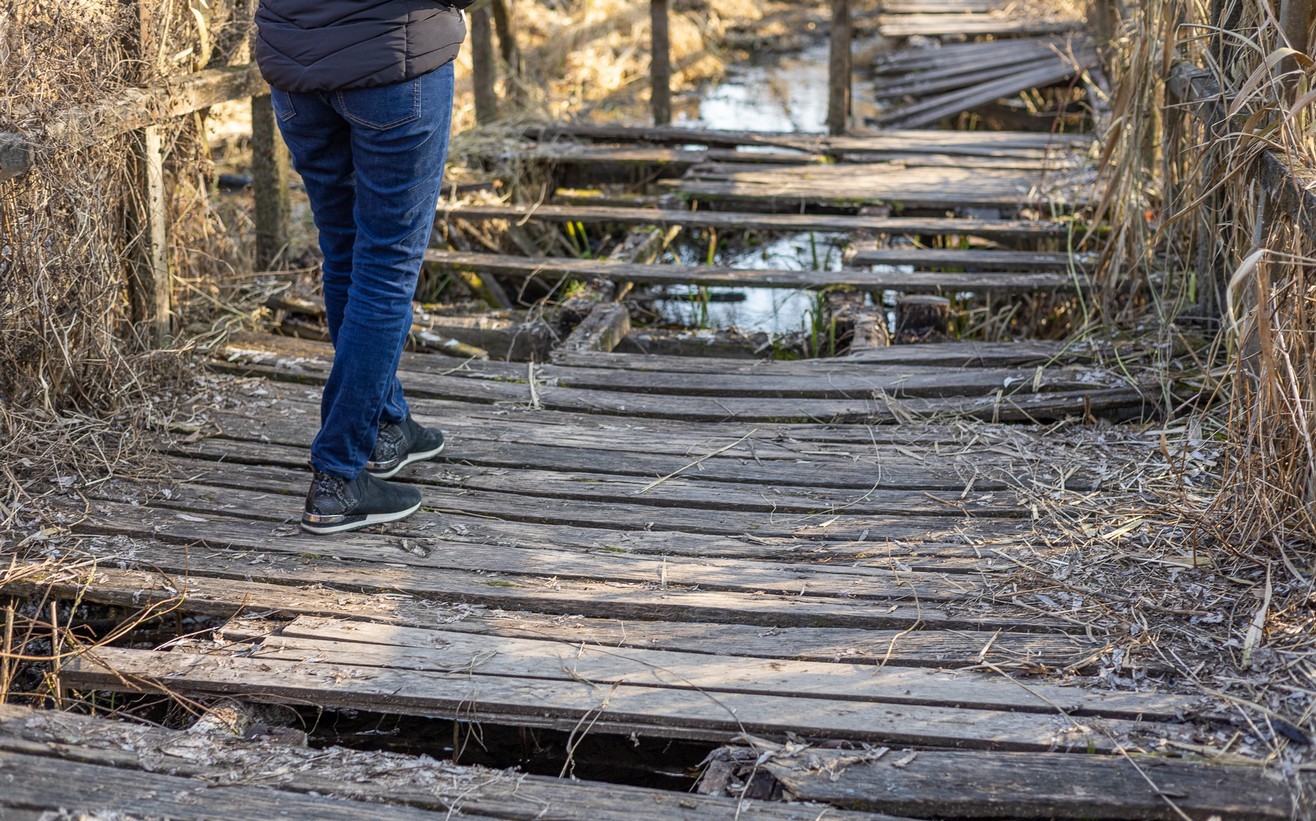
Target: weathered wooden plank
973, 25
134, 109
456, 531
860, 185
910, 281
829, 525
433, 554
971, 259
229, 597
556, 596
724, 220
942, 6
810, 439
947, 354
59, 787
756, 461
601, 331
933, 109
1011, 402
626, 708
373, 645
1046, 786
384, 779
981, 143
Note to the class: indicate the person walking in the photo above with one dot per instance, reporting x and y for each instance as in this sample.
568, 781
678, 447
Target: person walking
362, 91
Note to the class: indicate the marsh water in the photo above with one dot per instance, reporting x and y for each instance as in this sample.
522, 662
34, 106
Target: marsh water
780, 92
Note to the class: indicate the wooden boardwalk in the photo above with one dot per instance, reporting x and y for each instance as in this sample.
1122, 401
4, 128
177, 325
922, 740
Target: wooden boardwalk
807, 560
674, 547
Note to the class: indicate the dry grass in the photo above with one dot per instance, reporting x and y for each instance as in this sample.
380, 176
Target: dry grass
1202, 247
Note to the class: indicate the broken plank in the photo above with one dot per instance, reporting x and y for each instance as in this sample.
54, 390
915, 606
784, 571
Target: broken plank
242, 597
973, 259
431, 554
859, 185
374, 645
973, 25
723, 220
1033, 786
618, 708
86, 790
385, 779
562, 267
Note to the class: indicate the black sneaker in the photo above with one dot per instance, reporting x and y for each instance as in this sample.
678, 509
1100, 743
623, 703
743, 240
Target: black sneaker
336, 505
401, 444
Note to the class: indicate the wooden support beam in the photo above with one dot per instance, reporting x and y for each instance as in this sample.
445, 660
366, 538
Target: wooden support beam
484, 65
150, 283
660, 66
922, 318
1295, 25
603, 330
269, 173
131, 110
840, 69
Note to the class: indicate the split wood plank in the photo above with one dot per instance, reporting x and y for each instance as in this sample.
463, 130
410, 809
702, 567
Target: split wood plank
383, 779
756, 461
559, 597
973, 259
1005, 403
434, 554
907, 141
853, 186
834, 562
56, 787
616, 516
949, 354
242, 598
972, 25
877, 281
935, 108
319, 640
942, 6
825, 383
623, 708
1033, 786
723, 220
806, 438
754, 490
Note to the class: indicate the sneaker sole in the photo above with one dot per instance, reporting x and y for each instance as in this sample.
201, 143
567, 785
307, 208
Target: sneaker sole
412, 458
358, 522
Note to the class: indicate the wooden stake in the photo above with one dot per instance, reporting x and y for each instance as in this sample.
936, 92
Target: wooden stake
660, 65
484, 66
269, 176
1295, 24
922, 319
505, 28
841, 68
151, 282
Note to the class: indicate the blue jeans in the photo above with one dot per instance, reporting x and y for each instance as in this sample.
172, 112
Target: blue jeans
372, 161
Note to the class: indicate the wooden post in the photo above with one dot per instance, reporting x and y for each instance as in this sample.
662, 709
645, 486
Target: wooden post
269, 177
484, 66
1295, 25
1103, 18
841, 68
505, 28
151, 283
660, 63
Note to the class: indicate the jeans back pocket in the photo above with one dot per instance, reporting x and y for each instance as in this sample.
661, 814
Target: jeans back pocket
382, 107
283, 105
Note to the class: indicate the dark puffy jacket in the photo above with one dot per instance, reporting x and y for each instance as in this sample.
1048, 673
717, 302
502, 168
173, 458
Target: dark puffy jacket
329, 45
